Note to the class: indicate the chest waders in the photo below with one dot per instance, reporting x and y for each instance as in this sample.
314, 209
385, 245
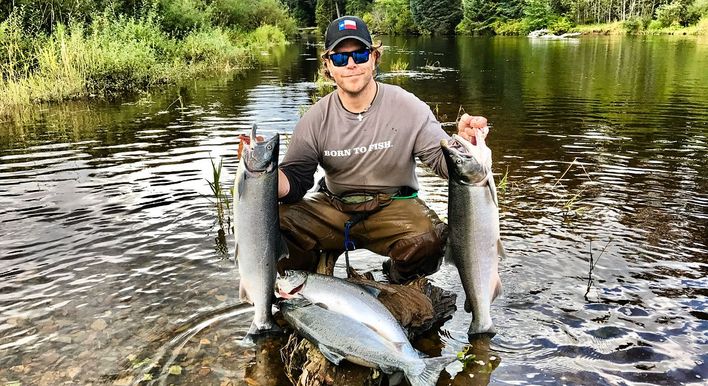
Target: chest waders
359, 217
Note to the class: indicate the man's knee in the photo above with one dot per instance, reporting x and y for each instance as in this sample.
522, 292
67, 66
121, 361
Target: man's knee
419, 255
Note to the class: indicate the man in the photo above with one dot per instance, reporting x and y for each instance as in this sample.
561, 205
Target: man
365, 135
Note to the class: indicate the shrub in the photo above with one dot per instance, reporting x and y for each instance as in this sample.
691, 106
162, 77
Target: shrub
511, 27
251, 14
669, 14
391, 17
560, 25
179, 17
633, 24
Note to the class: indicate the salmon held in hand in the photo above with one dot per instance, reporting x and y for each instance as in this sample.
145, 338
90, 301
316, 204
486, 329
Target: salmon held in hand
257, 231
473, 217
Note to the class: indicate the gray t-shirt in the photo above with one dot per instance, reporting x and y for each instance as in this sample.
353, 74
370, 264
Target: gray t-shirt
376, 153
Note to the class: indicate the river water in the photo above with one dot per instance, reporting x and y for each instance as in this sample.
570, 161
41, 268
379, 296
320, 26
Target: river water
115, 263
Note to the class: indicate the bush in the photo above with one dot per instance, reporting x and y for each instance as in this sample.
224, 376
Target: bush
538, 14
654, 25
251, 14
633, 25
391, 17
669, 14
511, 27
560, 25
179, 17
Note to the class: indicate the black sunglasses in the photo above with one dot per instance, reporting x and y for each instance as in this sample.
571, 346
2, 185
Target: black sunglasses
340, 59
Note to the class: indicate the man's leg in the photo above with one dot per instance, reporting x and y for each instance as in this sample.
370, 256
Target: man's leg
311, 226
410, 233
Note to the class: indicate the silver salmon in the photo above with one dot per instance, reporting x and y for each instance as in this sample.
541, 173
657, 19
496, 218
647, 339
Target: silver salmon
338, 295
473, 217
339, 337
257, 232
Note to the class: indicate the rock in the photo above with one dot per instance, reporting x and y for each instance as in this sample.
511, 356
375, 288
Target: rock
99, 325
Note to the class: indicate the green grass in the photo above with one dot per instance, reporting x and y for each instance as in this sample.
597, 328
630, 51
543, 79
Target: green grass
116, 56
399, 65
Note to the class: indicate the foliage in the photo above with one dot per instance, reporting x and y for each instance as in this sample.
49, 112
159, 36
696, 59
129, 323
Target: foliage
436, 16
180, 17
560, 25
633, 24
511, 27
251, 14
303, 11
669, 14
538, 14
358, 7
391, 17
326, 11
479, 17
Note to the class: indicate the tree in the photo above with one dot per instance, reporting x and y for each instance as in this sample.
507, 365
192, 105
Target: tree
437, 16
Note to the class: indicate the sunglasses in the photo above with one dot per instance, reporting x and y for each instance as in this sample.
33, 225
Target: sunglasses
340, 59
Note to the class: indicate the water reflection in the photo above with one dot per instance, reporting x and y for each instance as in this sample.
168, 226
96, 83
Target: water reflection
113, 260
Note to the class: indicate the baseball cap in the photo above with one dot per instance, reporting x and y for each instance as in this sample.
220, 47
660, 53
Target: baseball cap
347, 27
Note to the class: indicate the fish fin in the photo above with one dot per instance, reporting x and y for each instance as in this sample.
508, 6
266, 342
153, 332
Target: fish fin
243, 293
322, 305
395, 378
431, 372
283, 252
390, 370
500, 249
330, 355
497, 290
492, 189
256, 333
240, 186
372, 290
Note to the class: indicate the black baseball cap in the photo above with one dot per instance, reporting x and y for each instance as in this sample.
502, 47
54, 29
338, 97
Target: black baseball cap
347, 27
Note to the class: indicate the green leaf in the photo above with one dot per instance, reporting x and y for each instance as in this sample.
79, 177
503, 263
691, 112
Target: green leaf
175, 370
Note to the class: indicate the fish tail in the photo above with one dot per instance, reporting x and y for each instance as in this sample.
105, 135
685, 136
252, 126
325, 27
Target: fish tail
478, 328
256, 332
431, 371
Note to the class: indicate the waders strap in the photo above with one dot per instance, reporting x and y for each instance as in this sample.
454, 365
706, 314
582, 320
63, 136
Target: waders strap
348, 242
397, 197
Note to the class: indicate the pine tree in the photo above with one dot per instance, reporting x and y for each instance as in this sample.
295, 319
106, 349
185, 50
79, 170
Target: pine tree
437, 16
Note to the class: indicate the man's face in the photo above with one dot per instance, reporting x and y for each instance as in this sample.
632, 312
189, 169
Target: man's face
351, 78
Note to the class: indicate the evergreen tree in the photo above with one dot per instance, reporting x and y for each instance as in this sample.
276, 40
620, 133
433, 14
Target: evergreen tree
437, 16
358, 7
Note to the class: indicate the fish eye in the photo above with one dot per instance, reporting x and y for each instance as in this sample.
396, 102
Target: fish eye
458, 161
269, 147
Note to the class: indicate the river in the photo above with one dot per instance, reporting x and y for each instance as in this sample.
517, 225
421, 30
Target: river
116, 267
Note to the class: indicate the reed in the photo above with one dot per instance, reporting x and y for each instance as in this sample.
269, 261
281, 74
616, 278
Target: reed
399, 65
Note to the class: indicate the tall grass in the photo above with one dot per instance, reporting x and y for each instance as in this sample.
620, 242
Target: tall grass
114, 54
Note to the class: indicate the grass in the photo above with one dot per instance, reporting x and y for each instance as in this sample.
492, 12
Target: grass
223, 208
116, 56
399, 65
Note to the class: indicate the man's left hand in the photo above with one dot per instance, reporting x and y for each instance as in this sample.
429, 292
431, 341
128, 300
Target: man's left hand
471, 126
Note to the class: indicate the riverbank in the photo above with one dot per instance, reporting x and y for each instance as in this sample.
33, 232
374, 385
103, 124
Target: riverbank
125, 55
630, 28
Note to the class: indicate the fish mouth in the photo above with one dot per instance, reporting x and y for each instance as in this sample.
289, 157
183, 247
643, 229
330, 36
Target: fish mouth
292, 294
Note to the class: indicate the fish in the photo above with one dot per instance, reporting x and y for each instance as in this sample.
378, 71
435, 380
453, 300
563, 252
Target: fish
358, 302
339, 337
259, 244
474, 242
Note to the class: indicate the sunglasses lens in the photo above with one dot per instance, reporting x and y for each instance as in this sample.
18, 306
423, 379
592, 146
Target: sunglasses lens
361, 56
339, 59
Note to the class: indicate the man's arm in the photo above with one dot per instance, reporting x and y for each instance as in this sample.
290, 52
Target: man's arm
283, 184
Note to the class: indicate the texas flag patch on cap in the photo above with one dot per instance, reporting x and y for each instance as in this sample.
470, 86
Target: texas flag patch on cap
347, 24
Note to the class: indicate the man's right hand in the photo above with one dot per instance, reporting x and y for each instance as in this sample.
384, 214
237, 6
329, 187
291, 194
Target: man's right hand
470, 126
